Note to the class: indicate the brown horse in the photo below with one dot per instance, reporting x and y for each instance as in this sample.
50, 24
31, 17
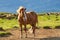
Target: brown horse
25, 18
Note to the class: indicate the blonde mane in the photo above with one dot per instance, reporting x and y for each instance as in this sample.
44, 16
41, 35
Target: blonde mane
19, 9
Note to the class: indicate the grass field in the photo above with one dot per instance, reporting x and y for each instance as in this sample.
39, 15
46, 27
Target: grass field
44, 20
51, 21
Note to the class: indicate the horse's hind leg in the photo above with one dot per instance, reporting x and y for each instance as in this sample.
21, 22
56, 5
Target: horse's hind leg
25, 30
33, 27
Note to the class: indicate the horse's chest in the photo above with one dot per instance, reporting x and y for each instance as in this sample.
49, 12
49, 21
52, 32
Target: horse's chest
25, 20
22, 20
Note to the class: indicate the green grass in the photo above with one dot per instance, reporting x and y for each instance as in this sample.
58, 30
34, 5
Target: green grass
44, 20
48, 21
4, 34
7, 24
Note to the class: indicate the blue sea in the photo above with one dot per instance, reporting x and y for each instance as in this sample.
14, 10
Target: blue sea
31, 5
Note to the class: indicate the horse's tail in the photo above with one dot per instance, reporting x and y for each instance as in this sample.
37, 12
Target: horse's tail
37, 22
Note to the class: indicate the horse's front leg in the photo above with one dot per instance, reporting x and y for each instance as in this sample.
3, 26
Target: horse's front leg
21, 30
25, 28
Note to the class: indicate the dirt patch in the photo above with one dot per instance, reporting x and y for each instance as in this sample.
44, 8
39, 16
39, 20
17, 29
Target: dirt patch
41, 34
47, 27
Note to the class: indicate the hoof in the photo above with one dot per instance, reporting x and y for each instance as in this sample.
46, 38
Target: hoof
25, 37
21, 37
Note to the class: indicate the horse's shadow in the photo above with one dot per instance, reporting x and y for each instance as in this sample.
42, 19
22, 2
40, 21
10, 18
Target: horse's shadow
51, 38
5, 34
48, 38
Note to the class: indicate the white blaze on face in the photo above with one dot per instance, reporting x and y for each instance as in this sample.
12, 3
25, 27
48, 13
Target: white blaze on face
25, 17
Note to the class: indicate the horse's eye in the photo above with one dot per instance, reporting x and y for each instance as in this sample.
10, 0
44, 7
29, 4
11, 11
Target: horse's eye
22, 9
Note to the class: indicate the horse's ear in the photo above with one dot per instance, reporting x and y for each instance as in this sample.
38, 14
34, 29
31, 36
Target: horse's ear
25, 8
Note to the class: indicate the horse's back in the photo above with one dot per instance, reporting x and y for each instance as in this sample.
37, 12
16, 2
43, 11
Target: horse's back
32, 17
31, 13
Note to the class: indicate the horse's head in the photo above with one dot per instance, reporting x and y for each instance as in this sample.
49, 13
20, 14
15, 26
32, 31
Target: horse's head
21, 9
